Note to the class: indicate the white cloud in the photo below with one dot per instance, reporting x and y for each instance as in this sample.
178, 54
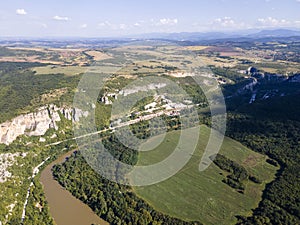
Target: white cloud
298, 1
61, 18
104, 24
273, 22
225, 22
21, 12
123, 26
167, 21
83, 26
112, 26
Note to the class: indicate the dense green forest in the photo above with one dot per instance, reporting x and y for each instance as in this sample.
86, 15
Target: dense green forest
19, 86
115, 203
272, 127
237, 173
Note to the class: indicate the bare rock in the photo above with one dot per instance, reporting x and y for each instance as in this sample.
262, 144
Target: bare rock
37, 123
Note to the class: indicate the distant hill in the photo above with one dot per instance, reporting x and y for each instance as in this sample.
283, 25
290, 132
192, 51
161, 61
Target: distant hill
201, 36
276, 33
179, 38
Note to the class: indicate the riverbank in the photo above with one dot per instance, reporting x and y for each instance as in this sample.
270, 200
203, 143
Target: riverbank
64, 207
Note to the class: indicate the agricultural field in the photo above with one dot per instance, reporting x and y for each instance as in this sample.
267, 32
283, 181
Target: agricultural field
268, 60
97, 55
68, 70
202, 196
53, 56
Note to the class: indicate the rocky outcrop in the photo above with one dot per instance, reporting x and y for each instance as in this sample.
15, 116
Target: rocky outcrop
105, 100
7, 160
37, 123
130, 91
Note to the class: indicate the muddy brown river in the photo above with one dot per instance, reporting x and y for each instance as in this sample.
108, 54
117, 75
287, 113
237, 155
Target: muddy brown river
64, 207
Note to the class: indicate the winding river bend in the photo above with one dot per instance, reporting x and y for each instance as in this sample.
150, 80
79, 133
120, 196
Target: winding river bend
64, 207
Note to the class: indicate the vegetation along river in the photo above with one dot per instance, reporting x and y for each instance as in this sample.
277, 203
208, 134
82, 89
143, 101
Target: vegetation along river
65, 208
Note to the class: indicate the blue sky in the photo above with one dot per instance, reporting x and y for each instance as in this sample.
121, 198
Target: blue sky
98, 18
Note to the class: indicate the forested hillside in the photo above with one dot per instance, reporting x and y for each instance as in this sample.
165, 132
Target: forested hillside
272, 127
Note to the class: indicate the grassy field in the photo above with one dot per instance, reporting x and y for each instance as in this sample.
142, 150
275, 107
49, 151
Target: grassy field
194, 195
98, 55
67, 70
197, 48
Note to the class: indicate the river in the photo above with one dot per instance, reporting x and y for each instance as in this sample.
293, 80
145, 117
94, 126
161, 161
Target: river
64, 207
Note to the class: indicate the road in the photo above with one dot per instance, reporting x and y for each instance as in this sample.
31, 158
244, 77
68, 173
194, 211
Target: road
36, 170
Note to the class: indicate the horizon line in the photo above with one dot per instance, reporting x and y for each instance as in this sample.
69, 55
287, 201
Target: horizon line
136, 36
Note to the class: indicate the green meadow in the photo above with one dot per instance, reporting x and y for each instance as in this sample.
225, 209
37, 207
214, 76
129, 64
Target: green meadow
202, 196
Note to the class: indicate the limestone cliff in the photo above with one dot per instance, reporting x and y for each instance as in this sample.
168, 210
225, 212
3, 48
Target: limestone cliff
37, 123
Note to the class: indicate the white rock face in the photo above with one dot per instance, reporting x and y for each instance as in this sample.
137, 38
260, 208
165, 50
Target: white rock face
77, 114
37, 123
7, 160
42, 139
126, 92
53, 136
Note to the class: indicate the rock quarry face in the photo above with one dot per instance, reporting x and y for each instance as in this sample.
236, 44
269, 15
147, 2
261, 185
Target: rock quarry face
37, 123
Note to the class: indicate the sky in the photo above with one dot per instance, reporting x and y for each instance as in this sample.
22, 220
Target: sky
113, 18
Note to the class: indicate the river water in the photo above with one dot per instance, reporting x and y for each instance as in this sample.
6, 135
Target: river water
64, 207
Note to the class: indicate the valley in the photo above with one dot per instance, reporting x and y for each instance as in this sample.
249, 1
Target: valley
39, 122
